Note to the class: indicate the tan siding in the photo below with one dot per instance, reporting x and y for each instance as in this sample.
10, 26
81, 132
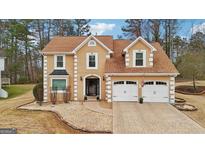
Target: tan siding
69, 69
82, 71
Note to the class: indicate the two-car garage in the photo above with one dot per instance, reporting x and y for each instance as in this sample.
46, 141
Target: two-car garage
151, 91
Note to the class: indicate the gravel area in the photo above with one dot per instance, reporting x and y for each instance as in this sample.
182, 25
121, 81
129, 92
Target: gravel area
78, 116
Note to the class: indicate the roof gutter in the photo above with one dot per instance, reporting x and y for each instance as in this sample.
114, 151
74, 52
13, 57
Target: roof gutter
54, 53
142, 74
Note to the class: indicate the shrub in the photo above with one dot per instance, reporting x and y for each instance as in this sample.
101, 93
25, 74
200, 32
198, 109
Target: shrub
66, 95
53, 96
141, 100
38, 92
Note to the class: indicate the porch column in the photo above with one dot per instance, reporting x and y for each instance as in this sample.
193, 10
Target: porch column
172, 89
75, 64
45, 79
108, 89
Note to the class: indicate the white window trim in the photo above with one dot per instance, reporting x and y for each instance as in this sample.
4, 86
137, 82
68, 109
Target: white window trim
90, 44
144, 57
96, 60
54, 78
55, 62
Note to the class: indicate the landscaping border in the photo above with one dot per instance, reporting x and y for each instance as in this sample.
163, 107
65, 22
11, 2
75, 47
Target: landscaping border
178, 106
179, 100
187, 93
64, 121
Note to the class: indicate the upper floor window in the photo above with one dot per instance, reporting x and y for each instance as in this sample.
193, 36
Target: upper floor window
139, 58
91, 43
59, 61
92, 60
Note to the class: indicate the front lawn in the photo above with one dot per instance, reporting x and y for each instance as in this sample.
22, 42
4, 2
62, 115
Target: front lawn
17, 90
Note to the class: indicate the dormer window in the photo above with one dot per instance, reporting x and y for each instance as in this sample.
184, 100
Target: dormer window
92, 60
139, 58
59, 61
91, 43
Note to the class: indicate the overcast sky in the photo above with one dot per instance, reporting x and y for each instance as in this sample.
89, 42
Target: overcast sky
113, 26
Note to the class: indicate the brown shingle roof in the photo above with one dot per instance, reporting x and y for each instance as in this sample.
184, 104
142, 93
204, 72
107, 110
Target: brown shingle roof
116, 64
67, 44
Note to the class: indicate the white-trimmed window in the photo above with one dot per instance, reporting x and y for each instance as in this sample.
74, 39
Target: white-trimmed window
139, 58
92, 60
59, 84
59, 61
91, 43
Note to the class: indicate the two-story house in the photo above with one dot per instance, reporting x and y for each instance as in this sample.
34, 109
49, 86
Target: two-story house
3, 93
100, 67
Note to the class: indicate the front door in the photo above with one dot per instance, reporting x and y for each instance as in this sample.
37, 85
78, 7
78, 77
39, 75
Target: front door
92, 87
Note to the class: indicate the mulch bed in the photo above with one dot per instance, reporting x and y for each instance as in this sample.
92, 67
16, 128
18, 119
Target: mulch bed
181, 105
189, 90
185, 107
179, 100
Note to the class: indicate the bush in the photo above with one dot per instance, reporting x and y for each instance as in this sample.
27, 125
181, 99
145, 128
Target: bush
38, 92
141, 100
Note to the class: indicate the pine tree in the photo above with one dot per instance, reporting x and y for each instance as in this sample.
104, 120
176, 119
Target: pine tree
133, 28
82, 27
155, 29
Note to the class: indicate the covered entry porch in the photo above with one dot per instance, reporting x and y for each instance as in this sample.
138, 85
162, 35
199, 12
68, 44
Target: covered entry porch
92, 87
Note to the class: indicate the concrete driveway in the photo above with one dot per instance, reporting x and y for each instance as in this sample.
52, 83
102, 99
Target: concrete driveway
152, 118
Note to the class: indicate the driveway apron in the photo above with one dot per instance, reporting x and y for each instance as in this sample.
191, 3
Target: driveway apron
152, 118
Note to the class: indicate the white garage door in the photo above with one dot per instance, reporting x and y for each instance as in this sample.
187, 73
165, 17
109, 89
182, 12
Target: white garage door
155, 91
125, 91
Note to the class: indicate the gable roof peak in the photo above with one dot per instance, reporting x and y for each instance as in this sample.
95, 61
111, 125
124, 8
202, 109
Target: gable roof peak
136, 40
94, 38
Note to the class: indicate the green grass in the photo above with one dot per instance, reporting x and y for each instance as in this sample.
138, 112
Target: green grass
16, 90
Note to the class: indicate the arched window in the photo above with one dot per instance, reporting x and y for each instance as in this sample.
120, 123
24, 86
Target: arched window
91, 43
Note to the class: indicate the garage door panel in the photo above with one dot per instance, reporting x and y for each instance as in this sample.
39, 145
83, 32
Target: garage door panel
157, 91
125, 91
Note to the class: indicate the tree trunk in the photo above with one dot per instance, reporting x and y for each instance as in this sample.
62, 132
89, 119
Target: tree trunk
166, 37
61, 28
31, 68
49, 29
169, 36
15, 61
194, 83
26, 60
39, 34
